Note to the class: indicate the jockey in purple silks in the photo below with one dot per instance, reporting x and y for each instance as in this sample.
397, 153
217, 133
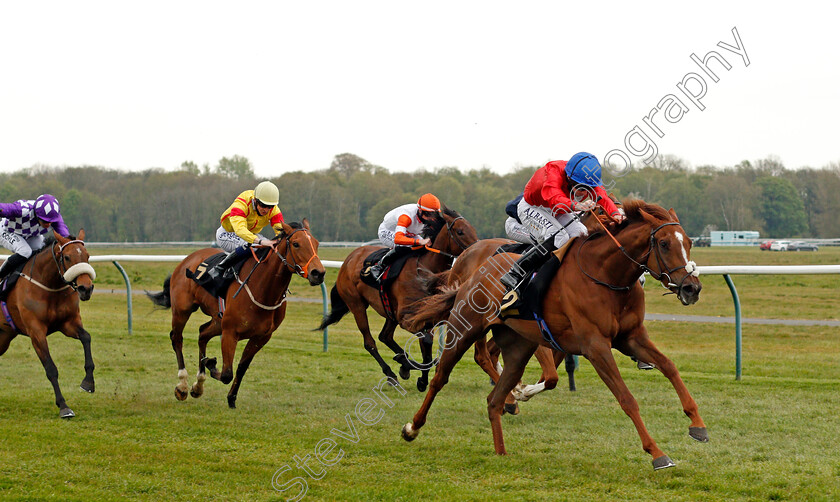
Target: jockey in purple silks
23, 225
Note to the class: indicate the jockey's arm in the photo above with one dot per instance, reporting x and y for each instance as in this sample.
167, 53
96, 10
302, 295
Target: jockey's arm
11, 210
400, 237
240, 227
605, 202
60, 227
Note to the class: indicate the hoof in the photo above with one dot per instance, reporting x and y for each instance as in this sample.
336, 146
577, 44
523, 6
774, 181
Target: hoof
196, 393
699, 434
180, 395
405, 372
422, 384
644, 366
662, 462
88, 387
512, 408
231, 401
408, 433
66, 413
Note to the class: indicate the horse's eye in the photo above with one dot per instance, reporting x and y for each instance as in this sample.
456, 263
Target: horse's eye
66, 258
295, 244
460, 232
664, 244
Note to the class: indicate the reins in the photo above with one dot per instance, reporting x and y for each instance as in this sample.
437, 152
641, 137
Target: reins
290, 264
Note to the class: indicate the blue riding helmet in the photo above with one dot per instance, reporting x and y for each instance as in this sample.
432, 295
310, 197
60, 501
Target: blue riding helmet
585, 169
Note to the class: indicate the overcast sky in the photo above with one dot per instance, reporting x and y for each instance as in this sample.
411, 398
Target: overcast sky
136, 85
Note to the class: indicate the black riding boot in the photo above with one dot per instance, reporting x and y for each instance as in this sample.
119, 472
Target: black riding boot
379, 268
222, 267
11, 263
527, 264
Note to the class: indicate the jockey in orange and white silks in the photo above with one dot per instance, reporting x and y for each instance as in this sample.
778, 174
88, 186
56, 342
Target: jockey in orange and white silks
250, 212
402, 226
23, 226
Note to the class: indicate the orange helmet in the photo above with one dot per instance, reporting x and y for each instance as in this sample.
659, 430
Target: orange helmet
428, 202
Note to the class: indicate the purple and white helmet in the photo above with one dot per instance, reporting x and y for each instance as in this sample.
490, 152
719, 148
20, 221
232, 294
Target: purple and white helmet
46, 208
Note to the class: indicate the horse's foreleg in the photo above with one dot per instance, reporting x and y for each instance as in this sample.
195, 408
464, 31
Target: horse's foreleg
39, 343
604, 363
87, 384
516, 358
643, 348
251, 348
426, 344
206, 332
229, 341
177, 338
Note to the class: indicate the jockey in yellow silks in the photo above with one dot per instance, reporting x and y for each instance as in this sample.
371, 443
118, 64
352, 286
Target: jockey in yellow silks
242, 222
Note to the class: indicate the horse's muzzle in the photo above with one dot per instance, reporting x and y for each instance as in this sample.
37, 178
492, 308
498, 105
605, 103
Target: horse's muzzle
316, 277
689, 292
85, 292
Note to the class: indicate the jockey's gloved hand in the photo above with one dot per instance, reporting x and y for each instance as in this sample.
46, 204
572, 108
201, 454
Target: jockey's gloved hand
584, 205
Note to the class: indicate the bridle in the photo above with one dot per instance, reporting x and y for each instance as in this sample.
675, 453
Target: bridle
453, 237
690, 267
291, 263
63, 271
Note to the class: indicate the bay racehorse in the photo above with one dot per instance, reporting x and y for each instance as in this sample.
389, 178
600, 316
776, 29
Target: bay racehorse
252, 315
594, 303
45, 299
450, 234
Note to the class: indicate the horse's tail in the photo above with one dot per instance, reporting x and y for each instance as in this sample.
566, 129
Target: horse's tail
162, 298
432, 283
429, 311
337, 309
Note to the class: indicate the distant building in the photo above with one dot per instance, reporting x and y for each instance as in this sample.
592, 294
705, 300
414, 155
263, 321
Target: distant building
734, 238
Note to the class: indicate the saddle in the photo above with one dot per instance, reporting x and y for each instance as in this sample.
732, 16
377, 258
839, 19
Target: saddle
218, 287
10, 280
529, 304
390, 274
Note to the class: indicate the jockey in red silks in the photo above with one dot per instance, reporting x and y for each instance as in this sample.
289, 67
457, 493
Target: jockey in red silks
401, 228
547, 212
23, 226
250, 212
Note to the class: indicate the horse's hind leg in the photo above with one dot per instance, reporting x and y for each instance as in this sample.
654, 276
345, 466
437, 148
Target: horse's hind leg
39, 342
643, 348
489, 362
516, 352
548, 379
251, 348
360, 314
456, 345
386, 336
207, 331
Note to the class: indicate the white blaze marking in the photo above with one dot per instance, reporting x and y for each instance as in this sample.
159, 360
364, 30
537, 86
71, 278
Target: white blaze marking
682, 245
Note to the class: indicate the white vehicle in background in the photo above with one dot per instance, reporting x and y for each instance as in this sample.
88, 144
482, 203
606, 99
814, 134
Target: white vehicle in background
779, 245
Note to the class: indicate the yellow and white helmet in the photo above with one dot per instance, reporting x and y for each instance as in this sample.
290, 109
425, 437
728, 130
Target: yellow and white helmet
267, 194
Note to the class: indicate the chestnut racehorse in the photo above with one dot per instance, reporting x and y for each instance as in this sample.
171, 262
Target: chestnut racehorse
451, 234
594, 304
470, 261
45, 299
252, 315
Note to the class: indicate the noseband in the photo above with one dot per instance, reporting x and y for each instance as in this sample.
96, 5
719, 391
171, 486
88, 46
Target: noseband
69, 275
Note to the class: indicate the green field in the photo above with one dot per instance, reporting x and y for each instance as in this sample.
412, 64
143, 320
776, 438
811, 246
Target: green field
772, 433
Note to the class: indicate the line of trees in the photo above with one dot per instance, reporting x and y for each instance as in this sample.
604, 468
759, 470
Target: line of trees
346, 201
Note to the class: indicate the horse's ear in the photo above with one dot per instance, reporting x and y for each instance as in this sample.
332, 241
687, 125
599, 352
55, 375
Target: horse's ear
81, 234
59, 239
648, 218
673, 214
305, 223
287, 229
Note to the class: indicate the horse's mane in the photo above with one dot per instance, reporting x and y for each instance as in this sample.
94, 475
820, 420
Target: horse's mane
49, 240
633, 208
433, 228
